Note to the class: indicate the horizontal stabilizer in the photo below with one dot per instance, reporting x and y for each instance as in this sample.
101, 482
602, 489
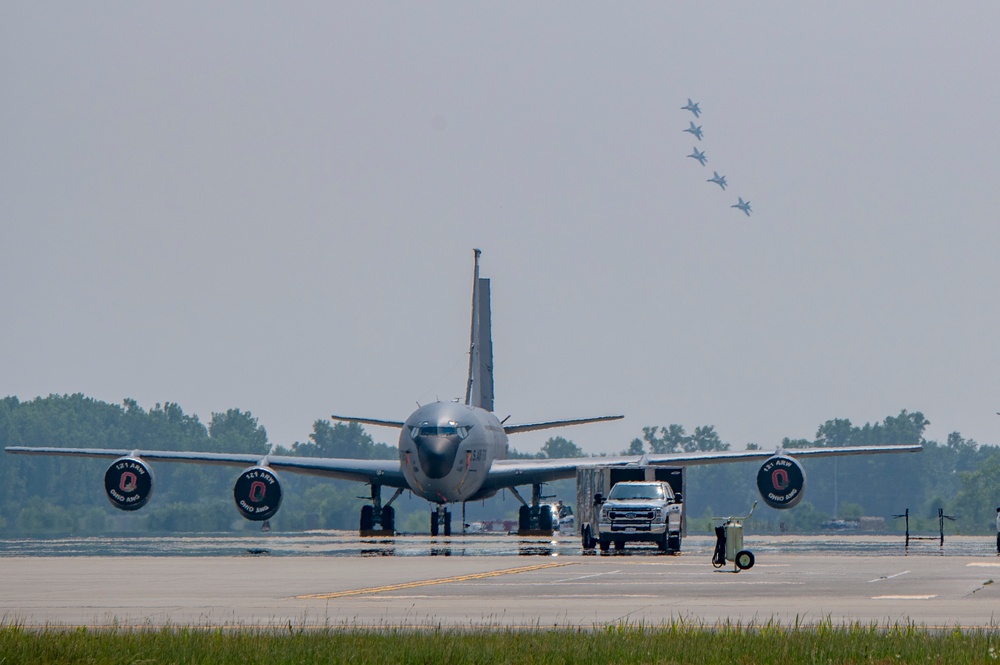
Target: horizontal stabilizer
532, 427
369, 421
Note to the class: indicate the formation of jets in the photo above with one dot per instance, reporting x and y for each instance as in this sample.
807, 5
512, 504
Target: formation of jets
699, 155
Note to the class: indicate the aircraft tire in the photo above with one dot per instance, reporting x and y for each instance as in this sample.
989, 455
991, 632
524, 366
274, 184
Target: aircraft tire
367, 518
434, 523
523, 519
389, 519
545, 519
447, 522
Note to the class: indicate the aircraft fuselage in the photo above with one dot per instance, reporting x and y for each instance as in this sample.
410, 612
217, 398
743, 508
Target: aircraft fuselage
446, 450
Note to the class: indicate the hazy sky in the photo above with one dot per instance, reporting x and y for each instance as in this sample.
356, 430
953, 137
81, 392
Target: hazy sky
272, 206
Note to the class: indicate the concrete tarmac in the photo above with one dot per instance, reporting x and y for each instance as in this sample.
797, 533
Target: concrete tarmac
498, 590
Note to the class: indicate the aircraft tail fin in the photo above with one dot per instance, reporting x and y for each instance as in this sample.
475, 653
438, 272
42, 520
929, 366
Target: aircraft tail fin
479, 390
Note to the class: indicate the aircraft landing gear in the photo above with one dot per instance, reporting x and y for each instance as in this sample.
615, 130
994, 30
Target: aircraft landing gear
441, 521
535, 519
376, 519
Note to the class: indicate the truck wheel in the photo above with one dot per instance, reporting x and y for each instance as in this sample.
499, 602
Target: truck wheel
674, 544
744, 559
664, 543
587, 538
619, 545
605, 544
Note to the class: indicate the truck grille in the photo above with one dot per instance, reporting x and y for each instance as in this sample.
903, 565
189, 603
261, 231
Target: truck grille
631, 515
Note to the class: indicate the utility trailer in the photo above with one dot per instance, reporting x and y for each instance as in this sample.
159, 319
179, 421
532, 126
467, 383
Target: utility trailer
659, 520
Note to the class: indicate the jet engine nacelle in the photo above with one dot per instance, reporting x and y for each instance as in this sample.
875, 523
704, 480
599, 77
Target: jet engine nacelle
257, 493
781, 482
128, 483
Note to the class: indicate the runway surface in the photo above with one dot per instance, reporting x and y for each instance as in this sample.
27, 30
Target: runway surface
416, 581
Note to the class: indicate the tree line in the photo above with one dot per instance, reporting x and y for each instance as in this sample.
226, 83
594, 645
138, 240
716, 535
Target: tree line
62, 495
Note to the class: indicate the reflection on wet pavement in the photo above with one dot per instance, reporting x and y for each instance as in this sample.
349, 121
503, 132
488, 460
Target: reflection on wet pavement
345, 543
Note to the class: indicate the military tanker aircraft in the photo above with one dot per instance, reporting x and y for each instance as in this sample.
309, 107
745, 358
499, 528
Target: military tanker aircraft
449, 453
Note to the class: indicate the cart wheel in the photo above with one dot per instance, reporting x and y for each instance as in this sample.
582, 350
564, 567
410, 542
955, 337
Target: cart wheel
744, 559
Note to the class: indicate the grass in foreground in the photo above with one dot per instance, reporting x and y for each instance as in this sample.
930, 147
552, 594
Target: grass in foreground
674, 643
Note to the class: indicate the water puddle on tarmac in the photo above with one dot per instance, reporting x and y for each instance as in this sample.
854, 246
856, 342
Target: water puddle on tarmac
345, 543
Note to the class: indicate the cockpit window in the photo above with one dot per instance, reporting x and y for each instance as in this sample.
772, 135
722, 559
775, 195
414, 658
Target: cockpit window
426, 429
629, 491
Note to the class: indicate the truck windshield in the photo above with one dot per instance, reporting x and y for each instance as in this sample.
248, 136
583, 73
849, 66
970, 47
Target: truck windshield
630, 491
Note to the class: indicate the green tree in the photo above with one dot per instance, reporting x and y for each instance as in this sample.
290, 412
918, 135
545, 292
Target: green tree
705, 439
634, 448
977, 501
835, 433
237, 431
343, 440
558, 448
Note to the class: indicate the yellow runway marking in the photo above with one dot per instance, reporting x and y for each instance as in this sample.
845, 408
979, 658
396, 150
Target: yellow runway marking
443, 580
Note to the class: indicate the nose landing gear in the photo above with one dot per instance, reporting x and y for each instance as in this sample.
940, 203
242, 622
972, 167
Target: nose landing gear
441, 521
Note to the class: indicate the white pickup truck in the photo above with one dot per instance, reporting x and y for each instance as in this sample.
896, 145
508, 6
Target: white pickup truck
638, 511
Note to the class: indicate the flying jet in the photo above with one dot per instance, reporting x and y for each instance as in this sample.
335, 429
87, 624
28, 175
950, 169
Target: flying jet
700, 156
693, 107
742, 205
694, 130
719, 180
449, 453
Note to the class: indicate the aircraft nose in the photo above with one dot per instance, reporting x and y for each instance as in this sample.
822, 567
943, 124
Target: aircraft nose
436, 454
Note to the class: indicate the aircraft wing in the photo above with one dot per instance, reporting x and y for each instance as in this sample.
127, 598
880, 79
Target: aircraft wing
533, 427
508, 473
384, 472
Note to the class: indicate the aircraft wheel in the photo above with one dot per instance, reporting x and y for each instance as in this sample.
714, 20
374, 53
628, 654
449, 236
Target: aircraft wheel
389, 519
447, 522
367, 518
434, 523
744, 559
605, 544
523, 519
545, 519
